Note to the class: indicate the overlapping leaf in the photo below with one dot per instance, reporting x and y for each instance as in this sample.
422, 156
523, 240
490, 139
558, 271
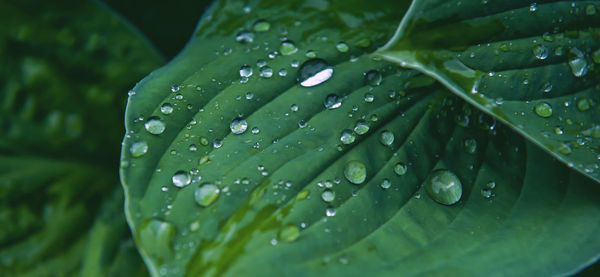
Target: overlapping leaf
66, 68
269, 217
534, 66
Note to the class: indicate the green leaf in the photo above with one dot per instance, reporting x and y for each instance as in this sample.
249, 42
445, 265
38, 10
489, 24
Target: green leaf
533, 66
66, 69
227, 175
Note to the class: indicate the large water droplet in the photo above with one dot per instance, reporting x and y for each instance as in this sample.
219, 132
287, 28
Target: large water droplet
386, 138
266, 72
154, 126
347, 137
289, 233
361, 127
288, 48
314, 72
543, 109
342, 47
444, 187
577, 62
245, 71
332, 102
400, 168
238, 126
206, 194
138, 149
373, 77
156, 236
355, 172
328, 195
181, 179
540, 52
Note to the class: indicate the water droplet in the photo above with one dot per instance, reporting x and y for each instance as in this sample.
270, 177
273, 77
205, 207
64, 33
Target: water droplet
559, 131
400, 168
533, 7
156, 236
245, 71
328, 195
547, 87
369, 97
244, 37
314, 72
266, 72
543, 109
166, 108
361, 127
206, 194
181, 179
577, 62
332, 102
540, 52
294, 108
355, 172
330, 211
342, 47
385, 184
255, 130
288, 48
487, 193
347, 137
471, 145
373, 77
217, 143
261, 25
238, 126
584, 104
289, 233
386, 138
138, 149
311, 54
564, 148
444, 187
282, 72
154, 126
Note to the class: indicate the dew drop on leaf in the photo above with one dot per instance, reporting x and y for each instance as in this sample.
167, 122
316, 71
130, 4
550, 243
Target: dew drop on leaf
470, 145
373, 77
355, 172
261, 25
289, 233
400, 168
238, 126
332, 102
330, 211
361, 127
314, 72
244, 37
181, 179
156, 236
543, 109
166, 108
265, 72
577, 62
245, 71
347, 137
288, 48
386, 138
206, 194
385, 184
328, 195
444, 187
540, 52
138, 149
342, 47
583, 104
154, 126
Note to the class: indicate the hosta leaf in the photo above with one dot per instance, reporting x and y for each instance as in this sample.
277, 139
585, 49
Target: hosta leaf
229, 173
532, 65
66, 68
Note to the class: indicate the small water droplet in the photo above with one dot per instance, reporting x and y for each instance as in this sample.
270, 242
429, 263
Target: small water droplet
217, 143
181, 179
154, 125
342, 47
470, 145
206, 194
244, 37
577, 62
361, 127
385, 184
314, 72
330, 211
282, 72
369, 97
400, 168
266, 72
288, 48
332, 102
584, 104
347, 137
543, 109
533, 7
386, 138
261, 25
166, 108
355, 172
373, 77
238, 126
444, 187
138, 149
328, 195
294, 108
289, 233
